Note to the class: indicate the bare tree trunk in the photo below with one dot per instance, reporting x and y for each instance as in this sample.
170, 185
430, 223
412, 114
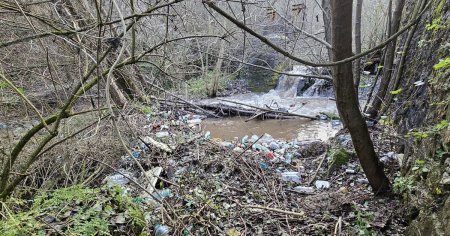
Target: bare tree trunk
388, 62
218, 67
357, 62
347, 104
326, 14
218, 70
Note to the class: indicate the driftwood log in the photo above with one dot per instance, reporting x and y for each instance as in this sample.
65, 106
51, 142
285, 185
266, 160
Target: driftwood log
232, 108
222, 109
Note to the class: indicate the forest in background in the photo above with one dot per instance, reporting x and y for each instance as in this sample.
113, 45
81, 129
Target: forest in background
83, 84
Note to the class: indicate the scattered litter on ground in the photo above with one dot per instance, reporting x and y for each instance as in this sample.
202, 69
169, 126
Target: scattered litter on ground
253, 184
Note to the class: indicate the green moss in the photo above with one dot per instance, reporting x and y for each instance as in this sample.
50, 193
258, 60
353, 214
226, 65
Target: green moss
338, 157
75, 210
443, 64
331, 115
435, 25
266, 80
438, 10
280, 67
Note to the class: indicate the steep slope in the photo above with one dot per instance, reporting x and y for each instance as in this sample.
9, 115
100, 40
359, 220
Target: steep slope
421, 113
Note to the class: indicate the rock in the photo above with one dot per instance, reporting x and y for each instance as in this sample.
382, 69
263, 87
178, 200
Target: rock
312, 149
291, 177
321, 184
260, 80
344, 140
304, 189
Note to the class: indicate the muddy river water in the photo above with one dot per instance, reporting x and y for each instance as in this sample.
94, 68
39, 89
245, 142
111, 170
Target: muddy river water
283, 97
289, 129
300, 129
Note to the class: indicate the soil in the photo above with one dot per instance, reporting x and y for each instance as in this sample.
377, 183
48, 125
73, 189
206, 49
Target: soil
218, 190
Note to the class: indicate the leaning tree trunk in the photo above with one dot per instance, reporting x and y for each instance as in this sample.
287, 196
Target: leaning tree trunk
346, 101
357, 62
388, 62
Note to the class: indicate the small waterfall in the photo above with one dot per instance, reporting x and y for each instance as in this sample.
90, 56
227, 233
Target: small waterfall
293, 86
320, 88
287, 86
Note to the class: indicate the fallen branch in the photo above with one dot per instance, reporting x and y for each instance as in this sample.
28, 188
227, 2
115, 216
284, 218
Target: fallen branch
224, 109
299, 214
270, 110
318, 168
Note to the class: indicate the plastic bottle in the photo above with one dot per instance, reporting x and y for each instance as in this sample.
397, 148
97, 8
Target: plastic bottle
161, 230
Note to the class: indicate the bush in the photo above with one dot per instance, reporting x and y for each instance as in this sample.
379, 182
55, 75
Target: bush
75, 210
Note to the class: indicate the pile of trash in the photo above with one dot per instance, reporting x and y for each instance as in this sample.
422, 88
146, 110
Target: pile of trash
191, 184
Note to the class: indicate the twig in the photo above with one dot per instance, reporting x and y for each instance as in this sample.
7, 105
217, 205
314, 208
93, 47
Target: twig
318, 168
299, 214
338, 227
255, 116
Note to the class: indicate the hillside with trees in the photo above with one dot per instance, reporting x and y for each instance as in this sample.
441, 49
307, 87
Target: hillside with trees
224, 117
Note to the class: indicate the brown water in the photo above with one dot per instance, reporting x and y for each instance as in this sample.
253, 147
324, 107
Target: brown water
300, 129
284, 96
